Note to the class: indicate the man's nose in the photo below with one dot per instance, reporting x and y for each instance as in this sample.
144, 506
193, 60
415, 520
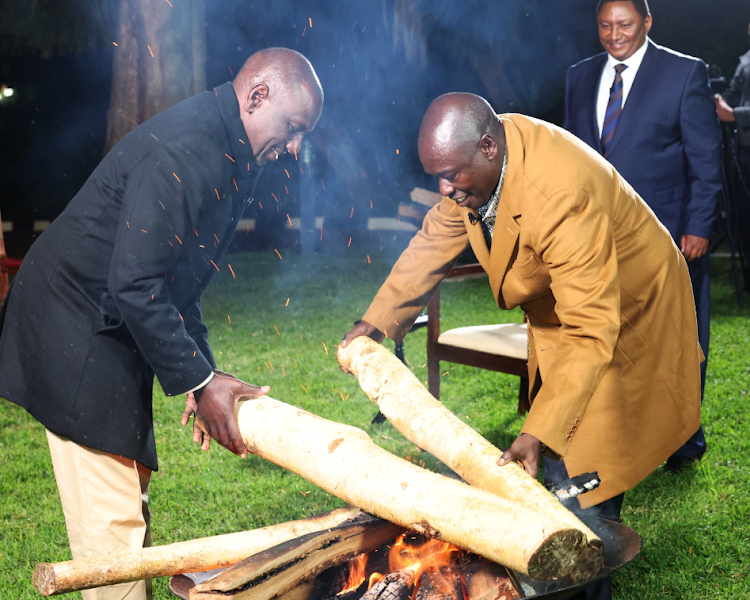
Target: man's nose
294, 144
446, 189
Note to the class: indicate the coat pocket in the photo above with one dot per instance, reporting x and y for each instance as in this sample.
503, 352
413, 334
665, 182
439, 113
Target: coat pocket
631, 342
526, 268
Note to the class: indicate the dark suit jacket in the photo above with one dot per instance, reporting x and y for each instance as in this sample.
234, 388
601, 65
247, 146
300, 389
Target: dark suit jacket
668, 141
110, 292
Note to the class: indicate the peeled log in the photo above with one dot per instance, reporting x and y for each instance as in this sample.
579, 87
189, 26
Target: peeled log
203, 554
344, 461
427, 423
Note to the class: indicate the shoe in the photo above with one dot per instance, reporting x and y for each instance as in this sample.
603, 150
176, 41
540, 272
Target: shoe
676, 464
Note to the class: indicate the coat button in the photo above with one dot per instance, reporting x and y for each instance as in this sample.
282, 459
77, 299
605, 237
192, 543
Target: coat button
577, 422
568, 437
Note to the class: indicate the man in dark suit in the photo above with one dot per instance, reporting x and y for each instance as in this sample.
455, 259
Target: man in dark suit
649, 111
109, 295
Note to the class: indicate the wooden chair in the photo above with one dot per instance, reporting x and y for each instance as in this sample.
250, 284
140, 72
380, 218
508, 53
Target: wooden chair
500, 347
8, 266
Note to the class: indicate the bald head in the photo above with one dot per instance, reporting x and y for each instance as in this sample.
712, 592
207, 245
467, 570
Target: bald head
283, 70
460, 141
280, 100
456, 122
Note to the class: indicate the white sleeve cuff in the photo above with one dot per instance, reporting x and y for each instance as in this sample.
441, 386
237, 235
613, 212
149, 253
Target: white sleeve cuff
197, 387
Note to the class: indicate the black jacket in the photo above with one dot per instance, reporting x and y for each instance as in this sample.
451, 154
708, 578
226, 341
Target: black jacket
738, 97
109, 294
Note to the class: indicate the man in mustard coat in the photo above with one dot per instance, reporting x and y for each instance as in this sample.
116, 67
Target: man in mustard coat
614, 360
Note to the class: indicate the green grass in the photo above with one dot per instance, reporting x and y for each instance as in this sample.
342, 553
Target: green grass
694, 524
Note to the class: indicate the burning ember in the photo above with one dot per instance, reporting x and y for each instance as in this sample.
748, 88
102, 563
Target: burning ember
417, 569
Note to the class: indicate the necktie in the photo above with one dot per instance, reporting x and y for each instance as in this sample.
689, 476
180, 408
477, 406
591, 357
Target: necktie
614, 108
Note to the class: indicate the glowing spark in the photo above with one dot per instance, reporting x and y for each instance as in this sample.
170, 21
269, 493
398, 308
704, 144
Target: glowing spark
295, 154
151, 51
305, 493
114, 43
232, 270
128, 224
183, 320
241, 140
229, 319
170, 243
214, 264
368, 259
325, 347
453, 208
370, 203
286, 189
175, 176
232, 73
261, 206
274, 197
196, 231
170, 4
303, 387
287, 302
277, 330
340, 393
144, 231
295, 363
309, 20
287, 174
397, 152
323, 184
229, 157
444, 374
217, 239
283, 372
178, 238
270, 363
217, 194
350, 243
289, 219
235, 185
351, 214
303, 31
277, 252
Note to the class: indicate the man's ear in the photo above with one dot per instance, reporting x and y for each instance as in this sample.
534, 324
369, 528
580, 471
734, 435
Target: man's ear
488, 146
256, 95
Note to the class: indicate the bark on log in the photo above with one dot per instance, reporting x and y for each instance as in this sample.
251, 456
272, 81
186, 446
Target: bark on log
192, 556
426, 422
344, 461
282, 568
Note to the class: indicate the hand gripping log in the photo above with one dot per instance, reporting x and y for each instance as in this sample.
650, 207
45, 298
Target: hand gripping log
427, 423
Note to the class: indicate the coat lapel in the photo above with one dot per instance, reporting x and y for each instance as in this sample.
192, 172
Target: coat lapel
638, 95
591, 93
476, 236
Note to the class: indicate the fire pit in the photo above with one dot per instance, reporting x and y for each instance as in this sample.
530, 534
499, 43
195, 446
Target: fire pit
408, 567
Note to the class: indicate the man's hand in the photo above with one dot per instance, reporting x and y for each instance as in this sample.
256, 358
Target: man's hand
693, 247
362, 328
526, 450
726, 112
216, 403
200, 435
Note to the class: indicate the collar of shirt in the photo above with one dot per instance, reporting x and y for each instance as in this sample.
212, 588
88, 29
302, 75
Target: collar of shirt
488, 212
608, 78
243, 159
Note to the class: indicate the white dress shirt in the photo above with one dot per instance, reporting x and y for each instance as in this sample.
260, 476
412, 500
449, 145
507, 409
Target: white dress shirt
608, 79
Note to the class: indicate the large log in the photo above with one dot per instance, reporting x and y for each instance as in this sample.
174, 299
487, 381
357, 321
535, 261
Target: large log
426, 422
203, 554
344, 461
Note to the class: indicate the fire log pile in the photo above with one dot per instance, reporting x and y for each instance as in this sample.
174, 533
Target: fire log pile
504, 515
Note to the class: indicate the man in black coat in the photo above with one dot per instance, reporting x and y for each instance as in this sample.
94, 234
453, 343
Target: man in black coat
734, 107
109, 295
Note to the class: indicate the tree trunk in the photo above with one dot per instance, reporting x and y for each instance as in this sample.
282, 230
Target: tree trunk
344, 461
159, 61
193, 556
427, 423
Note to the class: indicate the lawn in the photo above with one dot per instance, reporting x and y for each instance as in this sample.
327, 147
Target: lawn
277, 323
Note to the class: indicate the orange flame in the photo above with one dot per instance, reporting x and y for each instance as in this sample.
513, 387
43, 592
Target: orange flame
356, 573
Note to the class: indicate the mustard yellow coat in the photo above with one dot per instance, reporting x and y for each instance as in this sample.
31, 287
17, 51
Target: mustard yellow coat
612, 324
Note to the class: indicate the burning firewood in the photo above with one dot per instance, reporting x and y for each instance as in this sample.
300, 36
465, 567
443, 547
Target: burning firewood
203, 554
394, 586
344, 461
427, 423
440, 585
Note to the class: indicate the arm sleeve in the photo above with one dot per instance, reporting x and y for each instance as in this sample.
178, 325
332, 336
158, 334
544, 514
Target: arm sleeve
701, 135
162, 198
574, 236
567, 122
419, 271
199, 332
733, 97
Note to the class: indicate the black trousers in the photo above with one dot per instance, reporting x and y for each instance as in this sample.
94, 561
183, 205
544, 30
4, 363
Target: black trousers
554, 472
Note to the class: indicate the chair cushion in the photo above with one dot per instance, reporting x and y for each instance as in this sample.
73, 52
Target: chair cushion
507, 339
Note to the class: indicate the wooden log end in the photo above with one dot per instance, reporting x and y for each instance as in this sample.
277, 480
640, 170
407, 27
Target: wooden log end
567, 553
44, 579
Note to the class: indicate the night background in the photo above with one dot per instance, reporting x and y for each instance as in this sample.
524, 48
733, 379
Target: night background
381, 63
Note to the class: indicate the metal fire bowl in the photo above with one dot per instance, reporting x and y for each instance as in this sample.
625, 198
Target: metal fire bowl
621, 545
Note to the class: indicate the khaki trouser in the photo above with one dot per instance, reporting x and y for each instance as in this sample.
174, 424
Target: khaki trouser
105, 502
